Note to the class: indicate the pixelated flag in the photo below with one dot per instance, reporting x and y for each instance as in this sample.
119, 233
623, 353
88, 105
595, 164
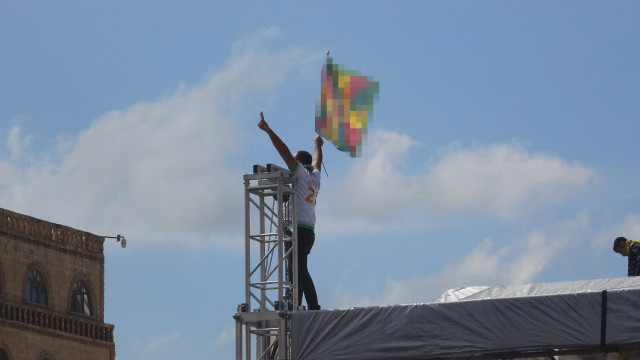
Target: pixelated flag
345, 105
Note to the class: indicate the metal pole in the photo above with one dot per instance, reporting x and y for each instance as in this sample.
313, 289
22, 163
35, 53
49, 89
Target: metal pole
280, 244
263, 268
247, 345
282, 339
247, 254
294, 246
247, 244
238, 339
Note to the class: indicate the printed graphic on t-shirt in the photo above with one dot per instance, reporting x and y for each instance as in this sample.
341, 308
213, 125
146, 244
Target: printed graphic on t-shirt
311, 198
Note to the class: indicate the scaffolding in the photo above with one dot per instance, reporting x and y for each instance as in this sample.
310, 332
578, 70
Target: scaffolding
590, 319
271, 275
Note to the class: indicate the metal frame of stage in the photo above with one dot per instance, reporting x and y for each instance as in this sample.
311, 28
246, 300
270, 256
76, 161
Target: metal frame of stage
270, 270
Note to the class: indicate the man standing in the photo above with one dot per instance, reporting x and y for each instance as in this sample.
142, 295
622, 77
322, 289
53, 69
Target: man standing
630, 248
306, 170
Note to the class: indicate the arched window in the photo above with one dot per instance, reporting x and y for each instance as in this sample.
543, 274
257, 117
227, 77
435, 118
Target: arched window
3, 355
36, 289
80, 302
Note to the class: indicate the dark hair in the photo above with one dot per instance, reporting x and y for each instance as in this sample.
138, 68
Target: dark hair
617, 241
303, 157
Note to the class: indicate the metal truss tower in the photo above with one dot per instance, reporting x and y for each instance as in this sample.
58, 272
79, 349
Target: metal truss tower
271, 275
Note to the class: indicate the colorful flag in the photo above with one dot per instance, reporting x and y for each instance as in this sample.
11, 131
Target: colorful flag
345, 107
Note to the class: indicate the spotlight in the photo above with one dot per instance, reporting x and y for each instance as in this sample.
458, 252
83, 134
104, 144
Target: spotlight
123, 243
119, 238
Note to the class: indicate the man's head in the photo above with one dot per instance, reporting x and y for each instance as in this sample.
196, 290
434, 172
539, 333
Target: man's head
620, 246
303, 157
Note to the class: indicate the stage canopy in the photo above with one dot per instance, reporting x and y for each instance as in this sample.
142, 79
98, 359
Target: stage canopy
497, 322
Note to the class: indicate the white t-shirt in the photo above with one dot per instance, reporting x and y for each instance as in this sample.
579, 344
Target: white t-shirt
307, 188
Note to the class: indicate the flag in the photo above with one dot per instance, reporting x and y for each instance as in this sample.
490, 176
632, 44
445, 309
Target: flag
345, 107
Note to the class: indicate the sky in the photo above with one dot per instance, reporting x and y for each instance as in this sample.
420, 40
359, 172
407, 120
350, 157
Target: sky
502, 148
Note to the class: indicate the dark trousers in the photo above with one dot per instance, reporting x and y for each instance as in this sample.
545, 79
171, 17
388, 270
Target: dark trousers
306, 288
634, 259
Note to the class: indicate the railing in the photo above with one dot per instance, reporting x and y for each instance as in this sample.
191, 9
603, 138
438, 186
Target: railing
48, 231
85, 328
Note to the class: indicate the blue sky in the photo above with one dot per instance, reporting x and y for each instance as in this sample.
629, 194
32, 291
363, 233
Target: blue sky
502, 148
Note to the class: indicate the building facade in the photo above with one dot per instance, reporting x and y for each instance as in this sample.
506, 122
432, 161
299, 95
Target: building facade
51, 292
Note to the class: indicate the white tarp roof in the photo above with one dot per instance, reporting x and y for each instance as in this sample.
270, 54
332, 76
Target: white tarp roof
460, 293
500, 320
567, 287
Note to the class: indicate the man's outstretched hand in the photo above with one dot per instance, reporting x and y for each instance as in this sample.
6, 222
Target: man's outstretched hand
282, 148
318, 141
263, 124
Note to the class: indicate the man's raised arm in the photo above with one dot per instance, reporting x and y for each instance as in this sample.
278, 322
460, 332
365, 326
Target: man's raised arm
282, 148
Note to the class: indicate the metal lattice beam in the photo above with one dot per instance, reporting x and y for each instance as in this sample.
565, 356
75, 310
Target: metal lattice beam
270, 269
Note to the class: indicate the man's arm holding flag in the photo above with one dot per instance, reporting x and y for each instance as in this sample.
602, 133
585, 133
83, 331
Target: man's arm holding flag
317, 152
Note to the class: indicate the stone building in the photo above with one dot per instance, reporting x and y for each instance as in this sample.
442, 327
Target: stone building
51, 292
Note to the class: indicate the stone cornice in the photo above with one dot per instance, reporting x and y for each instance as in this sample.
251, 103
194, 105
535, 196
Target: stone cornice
54, 235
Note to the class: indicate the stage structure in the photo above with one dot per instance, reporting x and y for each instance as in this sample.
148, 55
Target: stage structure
580, 320
271, 275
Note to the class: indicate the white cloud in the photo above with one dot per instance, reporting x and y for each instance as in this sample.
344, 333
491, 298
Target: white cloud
374, 188
162, 343
502, 181
542, 247
629, 227
16, 142
517, 262
156, 170
228, 335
